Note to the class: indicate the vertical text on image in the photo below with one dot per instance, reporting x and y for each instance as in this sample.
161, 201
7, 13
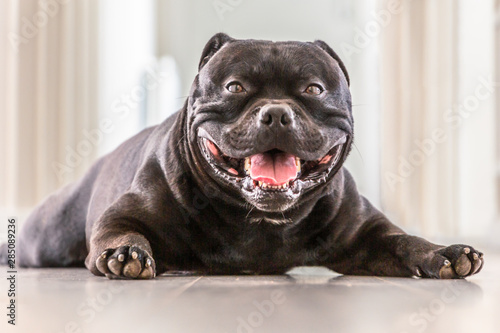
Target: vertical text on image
11, 270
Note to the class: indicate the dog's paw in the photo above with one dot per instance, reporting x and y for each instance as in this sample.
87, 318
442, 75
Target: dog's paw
126, 262
452, 262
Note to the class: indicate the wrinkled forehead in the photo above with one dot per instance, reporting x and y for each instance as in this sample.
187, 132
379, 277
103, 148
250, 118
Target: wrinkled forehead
265, 60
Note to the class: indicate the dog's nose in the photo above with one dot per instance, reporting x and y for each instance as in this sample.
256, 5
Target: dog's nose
273, 115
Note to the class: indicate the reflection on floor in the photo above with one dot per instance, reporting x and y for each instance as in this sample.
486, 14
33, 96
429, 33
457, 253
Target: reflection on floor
306, 300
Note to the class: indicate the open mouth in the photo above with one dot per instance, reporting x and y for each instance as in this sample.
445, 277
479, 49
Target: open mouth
273, 170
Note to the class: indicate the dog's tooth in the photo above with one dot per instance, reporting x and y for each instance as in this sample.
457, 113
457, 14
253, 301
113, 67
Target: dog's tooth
247, 164
260, 184
297, 163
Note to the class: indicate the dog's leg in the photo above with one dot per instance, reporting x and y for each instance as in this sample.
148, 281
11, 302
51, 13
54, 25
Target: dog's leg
372, 245
381, 250
119, 245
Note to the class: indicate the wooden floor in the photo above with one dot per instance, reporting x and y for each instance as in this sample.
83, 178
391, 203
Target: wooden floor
306, 300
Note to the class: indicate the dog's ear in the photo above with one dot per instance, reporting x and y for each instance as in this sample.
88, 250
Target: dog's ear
214, 44
334, 55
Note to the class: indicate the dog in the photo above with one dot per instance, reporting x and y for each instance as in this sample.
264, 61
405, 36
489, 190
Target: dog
246, 178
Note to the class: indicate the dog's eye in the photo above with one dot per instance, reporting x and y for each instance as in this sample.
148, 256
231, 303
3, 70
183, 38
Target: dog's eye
235, 87
314, 89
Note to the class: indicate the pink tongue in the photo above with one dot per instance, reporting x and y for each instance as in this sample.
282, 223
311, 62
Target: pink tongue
273, 169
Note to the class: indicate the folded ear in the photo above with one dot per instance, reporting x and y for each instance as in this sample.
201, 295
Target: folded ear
334, 55
214, 44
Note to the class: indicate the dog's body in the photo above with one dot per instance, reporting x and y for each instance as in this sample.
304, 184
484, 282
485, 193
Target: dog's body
246, 177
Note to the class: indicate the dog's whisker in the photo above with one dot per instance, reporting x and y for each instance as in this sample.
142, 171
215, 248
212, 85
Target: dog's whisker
359, 153
249, 212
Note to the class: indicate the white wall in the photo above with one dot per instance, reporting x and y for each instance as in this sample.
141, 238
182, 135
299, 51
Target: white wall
127, 51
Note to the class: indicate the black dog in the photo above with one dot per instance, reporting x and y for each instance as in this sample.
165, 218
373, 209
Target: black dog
246, 177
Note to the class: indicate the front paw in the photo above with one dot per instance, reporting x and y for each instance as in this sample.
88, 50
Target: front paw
452, 262
126, 262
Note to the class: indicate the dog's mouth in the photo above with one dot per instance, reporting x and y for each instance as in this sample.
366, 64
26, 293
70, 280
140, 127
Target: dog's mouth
273, 170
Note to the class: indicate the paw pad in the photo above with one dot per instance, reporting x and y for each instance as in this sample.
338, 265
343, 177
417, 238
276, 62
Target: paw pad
128, 262
456, 261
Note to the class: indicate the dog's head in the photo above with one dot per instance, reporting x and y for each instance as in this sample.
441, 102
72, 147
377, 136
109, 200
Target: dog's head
269, 121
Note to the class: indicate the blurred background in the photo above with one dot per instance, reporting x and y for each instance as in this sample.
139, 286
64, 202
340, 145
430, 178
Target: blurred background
77, 78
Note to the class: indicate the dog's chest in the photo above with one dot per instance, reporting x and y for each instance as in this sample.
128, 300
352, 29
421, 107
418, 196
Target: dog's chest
258, 252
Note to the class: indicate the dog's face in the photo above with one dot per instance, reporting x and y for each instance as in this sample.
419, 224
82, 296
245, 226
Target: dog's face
270, 121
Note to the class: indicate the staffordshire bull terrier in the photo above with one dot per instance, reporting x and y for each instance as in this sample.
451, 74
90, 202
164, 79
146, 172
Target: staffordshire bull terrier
246, 178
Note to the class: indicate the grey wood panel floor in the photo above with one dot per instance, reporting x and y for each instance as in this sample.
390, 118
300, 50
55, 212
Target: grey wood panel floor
305, 300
